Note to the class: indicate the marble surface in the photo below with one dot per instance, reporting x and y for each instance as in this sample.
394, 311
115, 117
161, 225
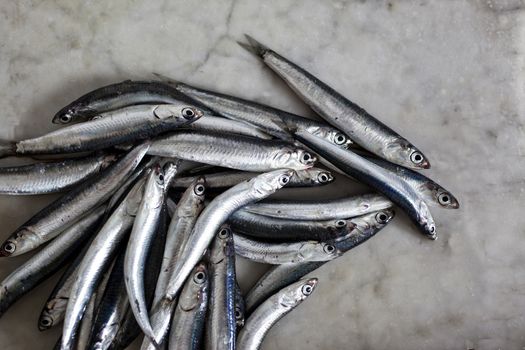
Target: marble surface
448, 75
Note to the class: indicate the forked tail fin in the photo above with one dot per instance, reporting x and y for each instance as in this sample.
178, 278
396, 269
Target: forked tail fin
254, 46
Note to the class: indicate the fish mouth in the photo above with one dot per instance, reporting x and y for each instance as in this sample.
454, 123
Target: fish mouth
425, 164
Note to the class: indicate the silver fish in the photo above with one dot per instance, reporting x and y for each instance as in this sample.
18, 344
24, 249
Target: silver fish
363, 128
384, 181
183, 219
97, 260
321, 209
301, 178
284, 253
47, 261
429, 190
221, 323
125, 125
216, 213
231, 151
363, 228
53, 219
142, 236
240, 308
271, 120
51, 177
271, 311
117, 96
219, 124
187, 327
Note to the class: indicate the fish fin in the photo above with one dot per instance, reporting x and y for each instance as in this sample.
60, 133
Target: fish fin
254, 46
7, 149
165, 79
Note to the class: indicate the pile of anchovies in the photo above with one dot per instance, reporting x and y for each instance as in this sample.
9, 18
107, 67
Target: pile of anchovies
164, 184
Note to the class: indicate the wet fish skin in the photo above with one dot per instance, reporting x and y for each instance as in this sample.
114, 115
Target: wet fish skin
51, 177
301, 178
284, 253
429, 190
216, 213
363, 128
363, 228
123, 126
183, 219
272, 310
321, 209
116, 96
97, 260
384, 181
57, 216
271, 120
187, 327
240, 308
219, 124
231, 151
221, 322
47, 261
142, 237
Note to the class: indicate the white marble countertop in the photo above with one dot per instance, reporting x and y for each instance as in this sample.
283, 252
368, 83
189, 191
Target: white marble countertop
448, 75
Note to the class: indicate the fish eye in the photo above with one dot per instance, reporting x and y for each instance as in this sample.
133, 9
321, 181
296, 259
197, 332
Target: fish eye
416, 157
283, 180
306, 157
46, 322
224, 233
9, 247
323, 178
96, 117
307, 289
432, 229
161, 177
66, 118
188, 113
199, 189
340, 223
339, 139
382, 218
444, 198
199, 277
238, 313
329, 248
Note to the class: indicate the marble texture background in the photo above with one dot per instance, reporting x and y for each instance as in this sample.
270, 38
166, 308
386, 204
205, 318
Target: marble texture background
448, 75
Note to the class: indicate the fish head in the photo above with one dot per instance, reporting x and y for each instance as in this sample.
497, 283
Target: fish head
178, 112
442, 197
294, 158
71, 113
297, 292
191, 293
222, 245
265, 184
403, 153
21, 242
331, 135
45, 322
426, 221
314, 176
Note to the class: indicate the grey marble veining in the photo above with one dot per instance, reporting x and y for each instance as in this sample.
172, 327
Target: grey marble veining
448, 75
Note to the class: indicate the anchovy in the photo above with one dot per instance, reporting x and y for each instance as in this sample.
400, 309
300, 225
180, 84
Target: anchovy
321, 209
273, 121
272, 229
301, 178
429, 190
183, 219
363, 128
231, 151
47, 261
97, 260
55, 308
221, 322
363, 228
215, 214
117, 96
123, 126
187, 327
271, 311
284, 253
57, 216
51, 177
142, 236
219, 124
240, 307
384, 181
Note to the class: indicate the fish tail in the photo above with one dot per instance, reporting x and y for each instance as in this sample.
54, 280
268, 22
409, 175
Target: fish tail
254, 46
7, 149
